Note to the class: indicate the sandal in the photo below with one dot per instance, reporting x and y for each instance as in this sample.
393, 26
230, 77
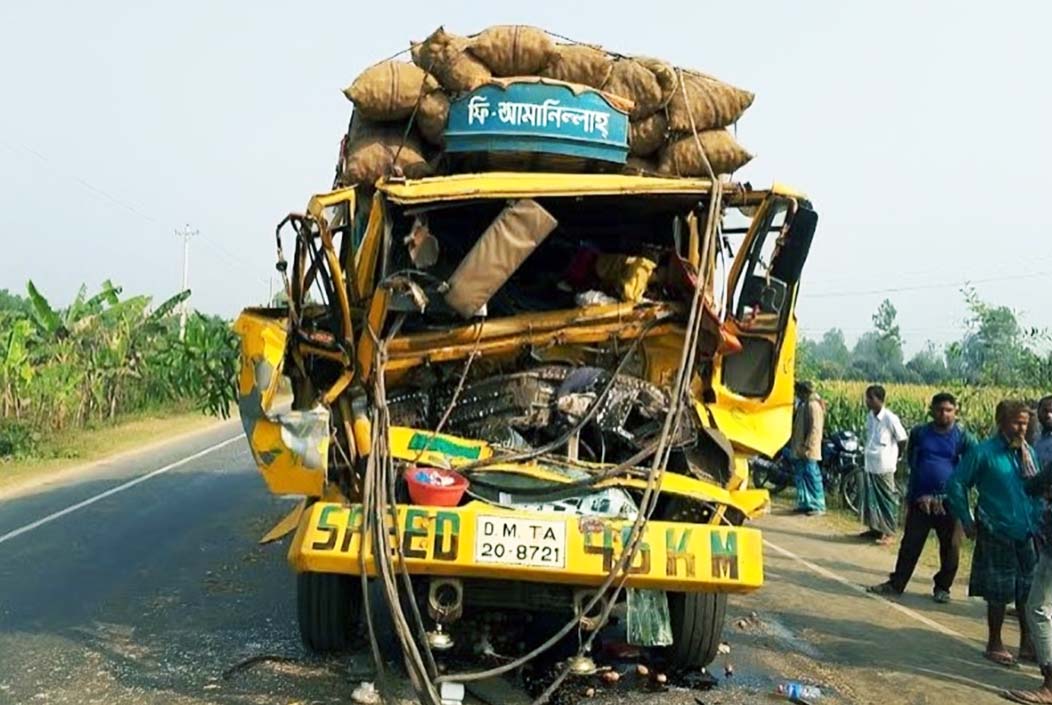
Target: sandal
883, 589
1001, 658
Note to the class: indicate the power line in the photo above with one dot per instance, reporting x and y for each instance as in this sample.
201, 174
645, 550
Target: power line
125, 205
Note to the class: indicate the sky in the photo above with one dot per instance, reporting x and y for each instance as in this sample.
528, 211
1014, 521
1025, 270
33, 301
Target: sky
919, 130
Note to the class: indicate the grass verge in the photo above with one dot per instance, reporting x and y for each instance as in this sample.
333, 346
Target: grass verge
71, 448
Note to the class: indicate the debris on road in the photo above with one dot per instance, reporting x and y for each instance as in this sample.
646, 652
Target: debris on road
694, 680
750, 622
254, 660
797, 692
366, 694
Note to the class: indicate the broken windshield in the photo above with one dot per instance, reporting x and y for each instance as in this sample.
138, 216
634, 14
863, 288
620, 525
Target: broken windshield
497, 259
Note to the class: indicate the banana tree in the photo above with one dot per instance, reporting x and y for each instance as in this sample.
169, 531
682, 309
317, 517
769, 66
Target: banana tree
15, 367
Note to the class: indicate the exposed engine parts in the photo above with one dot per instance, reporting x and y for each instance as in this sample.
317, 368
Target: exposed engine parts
525, 409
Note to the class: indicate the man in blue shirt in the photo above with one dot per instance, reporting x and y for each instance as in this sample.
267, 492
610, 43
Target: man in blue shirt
1003, 526
933, 452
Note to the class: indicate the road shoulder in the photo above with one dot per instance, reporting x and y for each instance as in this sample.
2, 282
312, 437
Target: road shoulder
814, 602
103, 447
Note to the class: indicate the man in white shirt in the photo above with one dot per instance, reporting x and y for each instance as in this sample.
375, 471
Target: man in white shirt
885, 440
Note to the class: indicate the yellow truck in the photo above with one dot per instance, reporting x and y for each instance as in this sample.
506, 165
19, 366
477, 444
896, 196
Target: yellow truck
597, 355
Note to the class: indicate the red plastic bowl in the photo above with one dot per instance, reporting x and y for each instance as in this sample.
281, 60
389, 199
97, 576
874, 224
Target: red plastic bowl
429, 495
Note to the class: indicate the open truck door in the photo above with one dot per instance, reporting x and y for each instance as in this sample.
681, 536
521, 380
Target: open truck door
753, 387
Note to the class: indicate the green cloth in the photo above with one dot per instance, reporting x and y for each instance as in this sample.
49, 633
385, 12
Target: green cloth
993, 468
1002, 569
879, 502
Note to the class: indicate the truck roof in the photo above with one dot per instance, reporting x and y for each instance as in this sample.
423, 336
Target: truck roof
524, 184
532, 184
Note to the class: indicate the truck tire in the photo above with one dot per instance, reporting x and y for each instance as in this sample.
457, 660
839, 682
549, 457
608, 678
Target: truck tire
328, 608
697, 627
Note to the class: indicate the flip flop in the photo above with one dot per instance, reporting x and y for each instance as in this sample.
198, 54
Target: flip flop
1001, 658
885, 589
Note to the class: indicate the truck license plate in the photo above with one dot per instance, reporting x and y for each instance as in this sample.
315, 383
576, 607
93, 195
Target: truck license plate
513, 541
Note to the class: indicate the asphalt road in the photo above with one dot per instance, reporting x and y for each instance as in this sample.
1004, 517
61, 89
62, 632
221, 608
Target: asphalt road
140, 580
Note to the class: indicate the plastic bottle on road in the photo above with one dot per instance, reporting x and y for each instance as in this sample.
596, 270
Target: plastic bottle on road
792, 690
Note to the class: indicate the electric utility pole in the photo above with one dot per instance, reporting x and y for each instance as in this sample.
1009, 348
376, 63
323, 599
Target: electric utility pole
186, 233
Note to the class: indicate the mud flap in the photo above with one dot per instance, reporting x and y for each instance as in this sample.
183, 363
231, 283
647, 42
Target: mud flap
287, 525
649, 622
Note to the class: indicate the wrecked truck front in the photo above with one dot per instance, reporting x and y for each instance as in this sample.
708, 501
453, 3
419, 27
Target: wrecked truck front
494, 369
699, 552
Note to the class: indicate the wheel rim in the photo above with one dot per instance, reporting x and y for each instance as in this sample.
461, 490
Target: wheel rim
850, 491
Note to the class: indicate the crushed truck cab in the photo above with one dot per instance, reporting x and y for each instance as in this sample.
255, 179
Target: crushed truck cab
527, 332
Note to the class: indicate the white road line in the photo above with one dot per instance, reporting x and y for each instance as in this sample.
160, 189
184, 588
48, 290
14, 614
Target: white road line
114, 490
825, 573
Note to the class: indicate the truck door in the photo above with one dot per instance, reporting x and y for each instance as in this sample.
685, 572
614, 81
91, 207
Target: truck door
755, 384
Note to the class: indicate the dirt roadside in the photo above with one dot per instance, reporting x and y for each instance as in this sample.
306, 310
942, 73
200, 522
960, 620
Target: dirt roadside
868, 649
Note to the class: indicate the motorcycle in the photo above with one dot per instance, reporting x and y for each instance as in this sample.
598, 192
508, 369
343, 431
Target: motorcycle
840, 466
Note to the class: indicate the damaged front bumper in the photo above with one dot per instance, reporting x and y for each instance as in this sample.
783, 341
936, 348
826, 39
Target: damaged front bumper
479, 540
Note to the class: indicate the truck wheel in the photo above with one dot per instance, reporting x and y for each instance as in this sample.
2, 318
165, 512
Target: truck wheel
328, 607
697, 625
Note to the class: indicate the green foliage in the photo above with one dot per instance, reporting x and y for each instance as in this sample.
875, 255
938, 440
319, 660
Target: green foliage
103, 356
845, 408
994, 350
16, 438
13, 303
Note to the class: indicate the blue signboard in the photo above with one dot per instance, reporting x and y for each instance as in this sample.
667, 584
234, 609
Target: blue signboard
538, 117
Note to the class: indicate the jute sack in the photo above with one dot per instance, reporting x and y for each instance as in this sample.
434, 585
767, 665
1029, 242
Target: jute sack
389, 91
665, 74
640, 166
713, 102
647, 135
445, 56
577, 63
513, 49
680, 157
634, 81
370, 150
431, 117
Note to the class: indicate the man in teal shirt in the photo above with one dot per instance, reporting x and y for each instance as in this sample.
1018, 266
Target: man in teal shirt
1004, 525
